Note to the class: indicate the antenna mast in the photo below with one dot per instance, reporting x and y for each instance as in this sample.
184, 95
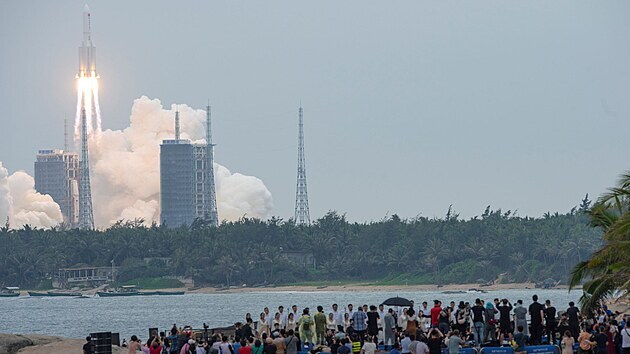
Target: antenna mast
86, 214
177, 125
302, 216
210, 193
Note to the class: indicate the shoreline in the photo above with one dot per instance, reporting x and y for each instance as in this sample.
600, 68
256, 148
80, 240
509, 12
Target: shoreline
353, 287
369, 287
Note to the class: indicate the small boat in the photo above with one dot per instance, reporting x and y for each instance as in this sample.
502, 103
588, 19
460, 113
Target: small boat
116, 293
146, 293
125, 290
62, 293
171, 292
10, 291
476, 291
53, 294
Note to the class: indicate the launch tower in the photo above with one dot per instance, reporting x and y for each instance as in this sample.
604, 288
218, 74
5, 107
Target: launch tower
87, 112
210, 196
302, 216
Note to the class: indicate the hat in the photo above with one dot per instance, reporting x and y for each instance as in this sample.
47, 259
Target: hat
191, 341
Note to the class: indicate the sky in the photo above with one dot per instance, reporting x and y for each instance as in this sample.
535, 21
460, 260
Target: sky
409, 106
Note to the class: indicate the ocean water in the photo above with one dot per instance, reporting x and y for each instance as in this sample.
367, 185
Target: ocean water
77, 317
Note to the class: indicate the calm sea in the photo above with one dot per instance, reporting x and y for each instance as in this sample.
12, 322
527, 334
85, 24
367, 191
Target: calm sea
77, 317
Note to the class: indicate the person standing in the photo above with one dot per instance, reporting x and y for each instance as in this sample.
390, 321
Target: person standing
520, 317
87, 347
454, 341
574, 319
490, 327
358, 323
405, 342
536, 315
426, 316
625, 339
372, 322
290, 342
550, 322
389, 324
584, 339
601, 339
504, 319
434, 341
320, 326
567, 343
478, 323
305, 325
134, 345
520, 338
338, 317
279, 342
435, 313
283, 317
369, 347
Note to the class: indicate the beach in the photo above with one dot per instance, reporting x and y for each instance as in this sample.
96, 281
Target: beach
33, 343
354, 287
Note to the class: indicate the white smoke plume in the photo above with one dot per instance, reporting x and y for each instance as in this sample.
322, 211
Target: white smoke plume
21, 204
125, 170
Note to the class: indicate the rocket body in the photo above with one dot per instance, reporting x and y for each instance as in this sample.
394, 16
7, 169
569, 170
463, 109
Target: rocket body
87, 51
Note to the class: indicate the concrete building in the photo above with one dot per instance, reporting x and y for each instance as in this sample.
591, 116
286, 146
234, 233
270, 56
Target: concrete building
56, 174
93, 276
183, 182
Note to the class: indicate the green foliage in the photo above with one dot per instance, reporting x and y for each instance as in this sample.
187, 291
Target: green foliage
255, 252
607, 272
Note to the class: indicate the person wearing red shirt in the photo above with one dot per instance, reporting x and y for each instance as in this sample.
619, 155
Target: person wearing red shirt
435, 313
155, 346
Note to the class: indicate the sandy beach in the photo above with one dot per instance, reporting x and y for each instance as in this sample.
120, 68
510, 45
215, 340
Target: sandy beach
354, 287
34, 343
371, 287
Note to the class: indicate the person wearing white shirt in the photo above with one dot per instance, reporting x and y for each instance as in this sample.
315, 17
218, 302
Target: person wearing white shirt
625, 338
369, 347
350, 310
337, 316
283, 317
268, 317
296, 315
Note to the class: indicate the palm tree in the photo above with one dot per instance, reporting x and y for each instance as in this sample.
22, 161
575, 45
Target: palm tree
607, 272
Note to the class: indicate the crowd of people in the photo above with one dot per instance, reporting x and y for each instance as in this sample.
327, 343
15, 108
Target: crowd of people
404, 330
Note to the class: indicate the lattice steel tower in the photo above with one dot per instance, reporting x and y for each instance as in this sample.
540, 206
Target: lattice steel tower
301, 195
86, 214
210, 192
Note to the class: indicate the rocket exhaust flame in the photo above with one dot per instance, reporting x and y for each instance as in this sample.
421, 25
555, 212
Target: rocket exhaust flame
87, 84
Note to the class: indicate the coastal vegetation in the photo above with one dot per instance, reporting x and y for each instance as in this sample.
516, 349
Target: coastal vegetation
494, 246
606, 273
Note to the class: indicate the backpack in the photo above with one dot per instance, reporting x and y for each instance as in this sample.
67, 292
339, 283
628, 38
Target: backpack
461, 317
306, 325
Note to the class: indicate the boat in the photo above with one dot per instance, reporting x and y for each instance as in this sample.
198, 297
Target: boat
54, 294
148, 293
117, 293
125, 290
10, 291
476, 291
64, 293
171, 292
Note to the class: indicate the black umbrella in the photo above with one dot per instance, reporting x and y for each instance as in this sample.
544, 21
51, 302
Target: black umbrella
397, 301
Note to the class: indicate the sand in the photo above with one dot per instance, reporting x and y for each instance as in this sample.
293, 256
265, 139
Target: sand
34, 343
370, 287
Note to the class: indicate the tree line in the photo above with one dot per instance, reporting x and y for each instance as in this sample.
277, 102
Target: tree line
493, 245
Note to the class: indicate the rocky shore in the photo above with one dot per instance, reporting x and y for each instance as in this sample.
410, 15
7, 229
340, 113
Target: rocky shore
34, 343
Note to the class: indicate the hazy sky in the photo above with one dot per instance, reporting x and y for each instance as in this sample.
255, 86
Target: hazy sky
409, 106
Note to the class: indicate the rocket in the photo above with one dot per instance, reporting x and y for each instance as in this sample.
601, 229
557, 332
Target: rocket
87, 51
